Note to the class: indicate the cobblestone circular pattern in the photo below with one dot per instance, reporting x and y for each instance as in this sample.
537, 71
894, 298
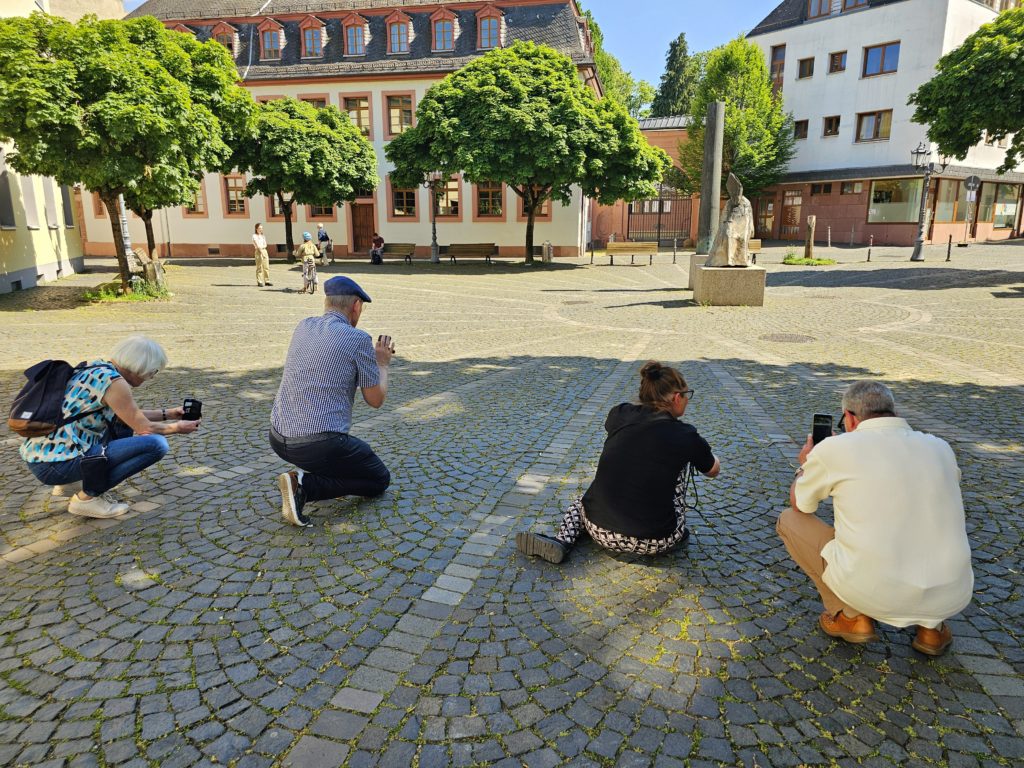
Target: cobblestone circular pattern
406, 630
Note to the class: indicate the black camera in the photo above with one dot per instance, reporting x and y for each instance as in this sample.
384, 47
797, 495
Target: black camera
193, 409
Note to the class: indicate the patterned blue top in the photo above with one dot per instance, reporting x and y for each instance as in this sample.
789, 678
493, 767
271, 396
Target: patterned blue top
86, 389
327, 360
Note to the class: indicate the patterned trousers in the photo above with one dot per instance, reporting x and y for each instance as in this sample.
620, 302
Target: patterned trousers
575, 522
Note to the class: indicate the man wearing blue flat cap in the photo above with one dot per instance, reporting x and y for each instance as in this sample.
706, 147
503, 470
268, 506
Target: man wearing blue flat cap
309, 424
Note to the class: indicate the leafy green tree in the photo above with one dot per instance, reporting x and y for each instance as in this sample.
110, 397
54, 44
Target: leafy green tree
679, 81
978, 89
301, 154
123, 107
758, 142
522, 115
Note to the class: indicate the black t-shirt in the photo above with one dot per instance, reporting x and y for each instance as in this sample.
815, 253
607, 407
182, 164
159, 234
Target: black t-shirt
634, 489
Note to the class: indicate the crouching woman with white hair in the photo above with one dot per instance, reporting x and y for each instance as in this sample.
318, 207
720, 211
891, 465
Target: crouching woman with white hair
83, 451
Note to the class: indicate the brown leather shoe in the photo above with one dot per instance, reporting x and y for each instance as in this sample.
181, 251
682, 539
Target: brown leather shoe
860, 629
933, 642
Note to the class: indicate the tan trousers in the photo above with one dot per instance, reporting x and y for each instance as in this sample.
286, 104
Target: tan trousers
805, 536
262, 266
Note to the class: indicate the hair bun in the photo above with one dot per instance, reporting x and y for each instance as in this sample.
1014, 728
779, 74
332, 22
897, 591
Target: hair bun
652, 370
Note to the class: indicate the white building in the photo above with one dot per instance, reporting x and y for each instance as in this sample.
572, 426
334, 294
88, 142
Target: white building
846, 69
39, 232
374, 59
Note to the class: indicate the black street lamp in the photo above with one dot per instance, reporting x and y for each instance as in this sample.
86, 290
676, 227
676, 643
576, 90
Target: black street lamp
921, 157
432, 182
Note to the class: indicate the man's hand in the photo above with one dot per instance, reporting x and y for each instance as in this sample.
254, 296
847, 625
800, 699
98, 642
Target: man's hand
173, 414
187, 427
384, 350
808, 447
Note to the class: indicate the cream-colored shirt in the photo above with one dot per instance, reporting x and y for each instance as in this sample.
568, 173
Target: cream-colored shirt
260, 241
901, 553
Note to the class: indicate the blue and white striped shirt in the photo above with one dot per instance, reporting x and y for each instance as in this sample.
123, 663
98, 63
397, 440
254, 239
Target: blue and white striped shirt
327, 360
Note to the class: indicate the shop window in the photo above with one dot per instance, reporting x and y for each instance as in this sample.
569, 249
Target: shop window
895, 201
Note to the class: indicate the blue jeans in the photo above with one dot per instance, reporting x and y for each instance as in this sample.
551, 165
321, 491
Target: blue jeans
335, 465
125, 457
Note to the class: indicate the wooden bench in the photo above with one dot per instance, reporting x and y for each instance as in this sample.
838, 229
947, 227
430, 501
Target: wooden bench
642, 248
754, 247
405, 250
472, 251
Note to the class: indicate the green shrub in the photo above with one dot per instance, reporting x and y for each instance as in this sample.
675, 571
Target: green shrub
799, 261
144, 291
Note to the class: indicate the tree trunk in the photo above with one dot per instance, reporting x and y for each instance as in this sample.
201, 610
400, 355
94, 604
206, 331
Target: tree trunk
286, 208
114, 214
147, 219
530, 216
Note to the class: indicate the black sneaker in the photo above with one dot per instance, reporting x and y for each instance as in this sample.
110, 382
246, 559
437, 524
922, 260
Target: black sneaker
292, 499
539, 545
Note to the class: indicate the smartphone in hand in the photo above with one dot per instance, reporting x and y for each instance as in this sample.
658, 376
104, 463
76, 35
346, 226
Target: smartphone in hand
821, 427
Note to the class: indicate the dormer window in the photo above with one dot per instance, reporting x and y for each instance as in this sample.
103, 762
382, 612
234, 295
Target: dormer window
226, 35
355, 28
818, 8
183, 29
489, 28
314, 33
399, 32
443, 27
271, 40
849, 5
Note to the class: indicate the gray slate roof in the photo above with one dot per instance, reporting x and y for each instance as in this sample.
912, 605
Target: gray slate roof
663, 123
791, 13
553, 25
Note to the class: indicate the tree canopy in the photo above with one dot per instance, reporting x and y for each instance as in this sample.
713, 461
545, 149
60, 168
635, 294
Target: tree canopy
683, 73
121, 106
758, 143
302, 154
978, 88
521, 115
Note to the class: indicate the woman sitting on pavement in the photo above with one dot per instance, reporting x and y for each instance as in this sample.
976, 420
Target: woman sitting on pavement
105, 386
636, 504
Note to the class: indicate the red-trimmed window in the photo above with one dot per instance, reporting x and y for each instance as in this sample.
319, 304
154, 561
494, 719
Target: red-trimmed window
444, 35
449, 198
198, 206
321, 211
226, 35
355, 40
235, 201
403, 203
489, 200
399, 114
358, 108
271, 40
399, 26
313, 37
488, 28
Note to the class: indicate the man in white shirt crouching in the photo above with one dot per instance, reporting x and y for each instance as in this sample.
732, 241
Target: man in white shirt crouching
898, 553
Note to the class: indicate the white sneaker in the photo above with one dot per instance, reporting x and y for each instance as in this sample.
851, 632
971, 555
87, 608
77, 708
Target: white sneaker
98, 506
67, 490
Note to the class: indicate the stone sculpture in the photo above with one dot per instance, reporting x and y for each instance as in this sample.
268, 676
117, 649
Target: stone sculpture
731, 246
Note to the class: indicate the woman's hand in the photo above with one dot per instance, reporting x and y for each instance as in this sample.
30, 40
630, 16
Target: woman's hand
173, 414
186, 427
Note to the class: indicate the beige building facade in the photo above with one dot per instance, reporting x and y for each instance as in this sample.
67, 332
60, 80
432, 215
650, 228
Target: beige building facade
374, 61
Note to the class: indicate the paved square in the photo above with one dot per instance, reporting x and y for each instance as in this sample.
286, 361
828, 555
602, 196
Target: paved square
407, 630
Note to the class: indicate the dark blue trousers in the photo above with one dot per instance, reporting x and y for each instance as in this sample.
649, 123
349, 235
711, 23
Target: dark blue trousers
335, 464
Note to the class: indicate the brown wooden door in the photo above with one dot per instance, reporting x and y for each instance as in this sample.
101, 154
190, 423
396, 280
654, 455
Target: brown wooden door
362, 226
792, 201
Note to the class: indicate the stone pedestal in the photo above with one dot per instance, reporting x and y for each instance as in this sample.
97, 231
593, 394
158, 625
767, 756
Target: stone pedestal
729, 286
696, 262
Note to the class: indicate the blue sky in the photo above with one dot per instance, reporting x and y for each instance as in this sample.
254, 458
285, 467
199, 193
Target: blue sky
638, 32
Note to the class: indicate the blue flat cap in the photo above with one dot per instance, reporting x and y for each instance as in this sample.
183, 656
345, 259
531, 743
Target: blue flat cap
345, 286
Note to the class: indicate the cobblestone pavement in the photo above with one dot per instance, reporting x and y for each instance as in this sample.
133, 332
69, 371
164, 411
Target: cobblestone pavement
407, 630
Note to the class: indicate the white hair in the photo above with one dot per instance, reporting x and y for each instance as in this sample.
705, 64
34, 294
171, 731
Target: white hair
139, 355
340, 303
865, 399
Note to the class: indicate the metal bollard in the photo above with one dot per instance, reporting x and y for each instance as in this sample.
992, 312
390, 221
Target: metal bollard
631, 257
650, 262
949, 249
830, 236
675, 240
611, 259
871, 243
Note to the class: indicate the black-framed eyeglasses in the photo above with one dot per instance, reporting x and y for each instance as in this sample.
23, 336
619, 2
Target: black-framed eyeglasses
688, 393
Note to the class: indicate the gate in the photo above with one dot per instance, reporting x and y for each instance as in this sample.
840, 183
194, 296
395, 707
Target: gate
663, 218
